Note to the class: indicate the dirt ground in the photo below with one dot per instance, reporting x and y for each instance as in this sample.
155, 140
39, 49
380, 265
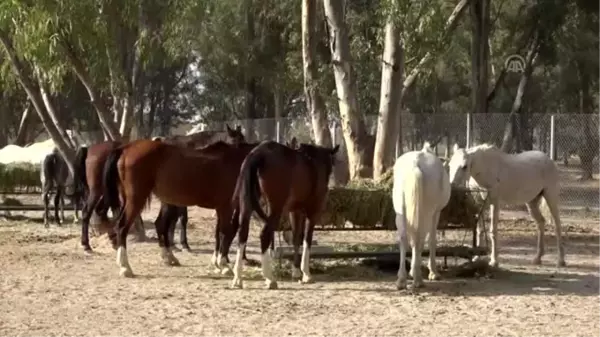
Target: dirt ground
49, 287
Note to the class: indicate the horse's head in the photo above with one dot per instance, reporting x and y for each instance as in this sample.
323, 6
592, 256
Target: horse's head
235, 136
320, 154
459, 166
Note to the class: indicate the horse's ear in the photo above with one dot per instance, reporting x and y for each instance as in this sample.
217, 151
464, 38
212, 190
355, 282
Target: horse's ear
455, 148
229, 129
238, 128
294, 143
335, 149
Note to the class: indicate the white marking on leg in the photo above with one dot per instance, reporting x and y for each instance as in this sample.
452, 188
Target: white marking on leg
237, 269
213, 259
267, 270
305, 263
123, 262
433, 274
225, 268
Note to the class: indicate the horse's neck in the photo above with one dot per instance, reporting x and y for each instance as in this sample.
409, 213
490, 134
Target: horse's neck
484, 170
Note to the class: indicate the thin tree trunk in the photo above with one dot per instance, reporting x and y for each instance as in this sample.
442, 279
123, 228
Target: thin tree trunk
392, 70
53, 115
314, 100
29, 86
510, 129
102, 111
353, 125
22, 138
480, 17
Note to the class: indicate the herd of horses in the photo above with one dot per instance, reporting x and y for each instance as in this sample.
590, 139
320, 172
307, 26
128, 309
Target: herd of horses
222, 171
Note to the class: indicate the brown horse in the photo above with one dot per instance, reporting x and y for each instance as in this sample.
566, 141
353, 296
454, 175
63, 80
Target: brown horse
291, 180
89, 165
177, 176
171, 213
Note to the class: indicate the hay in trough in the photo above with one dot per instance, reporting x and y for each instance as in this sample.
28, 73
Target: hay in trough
367, 202
19, 176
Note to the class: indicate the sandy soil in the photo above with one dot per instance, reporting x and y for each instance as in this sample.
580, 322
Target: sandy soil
49, 287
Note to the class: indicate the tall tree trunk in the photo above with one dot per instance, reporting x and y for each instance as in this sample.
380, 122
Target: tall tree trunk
353, 125
314, 101
23, 134
29, 86
510, 129
392, 71
480, 19
588, 149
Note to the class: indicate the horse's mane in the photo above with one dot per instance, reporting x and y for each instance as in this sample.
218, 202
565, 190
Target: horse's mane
483, 147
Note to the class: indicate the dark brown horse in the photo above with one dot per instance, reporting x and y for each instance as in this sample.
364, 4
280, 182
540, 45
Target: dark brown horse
89, 165
177, 176
291, 180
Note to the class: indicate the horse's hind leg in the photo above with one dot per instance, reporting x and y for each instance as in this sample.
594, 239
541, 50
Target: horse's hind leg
57, 198
240, 221
551, 197
297, 221
130, 211
534, 210
46, 200
306, 244
433, 274
86, 214
402, 243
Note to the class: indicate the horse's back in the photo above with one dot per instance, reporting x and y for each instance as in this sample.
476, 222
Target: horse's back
436, 184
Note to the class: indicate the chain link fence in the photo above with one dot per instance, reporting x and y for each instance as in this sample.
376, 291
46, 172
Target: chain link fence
571, 139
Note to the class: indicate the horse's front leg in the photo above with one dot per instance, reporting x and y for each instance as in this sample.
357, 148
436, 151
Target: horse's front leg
183, 232
494, 213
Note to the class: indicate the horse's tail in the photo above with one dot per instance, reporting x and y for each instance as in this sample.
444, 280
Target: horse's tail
49, 168
110, 179
247, 190
413, 194
79, 174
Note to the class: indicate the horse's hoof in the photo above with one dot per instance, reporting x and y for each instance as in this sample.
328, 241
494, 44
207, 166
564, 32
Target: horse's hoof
434, 276
296, 273
175, 262
271, 285
237, 283
417, 284
125, 272
401, 284
307, 279
536, 261
227, 271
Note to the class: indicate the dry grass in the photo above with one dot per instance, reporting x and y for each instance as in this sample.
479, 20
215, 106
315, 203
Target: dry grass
49, 287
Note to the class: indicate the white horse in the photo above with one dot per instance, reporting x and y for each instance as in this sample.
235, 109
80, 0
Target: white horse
511, 179
421, 189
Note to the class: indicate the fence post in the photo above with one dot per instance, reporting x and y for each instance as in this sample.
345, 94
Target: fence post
468, 140
552, 138
334, 134
277, 130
